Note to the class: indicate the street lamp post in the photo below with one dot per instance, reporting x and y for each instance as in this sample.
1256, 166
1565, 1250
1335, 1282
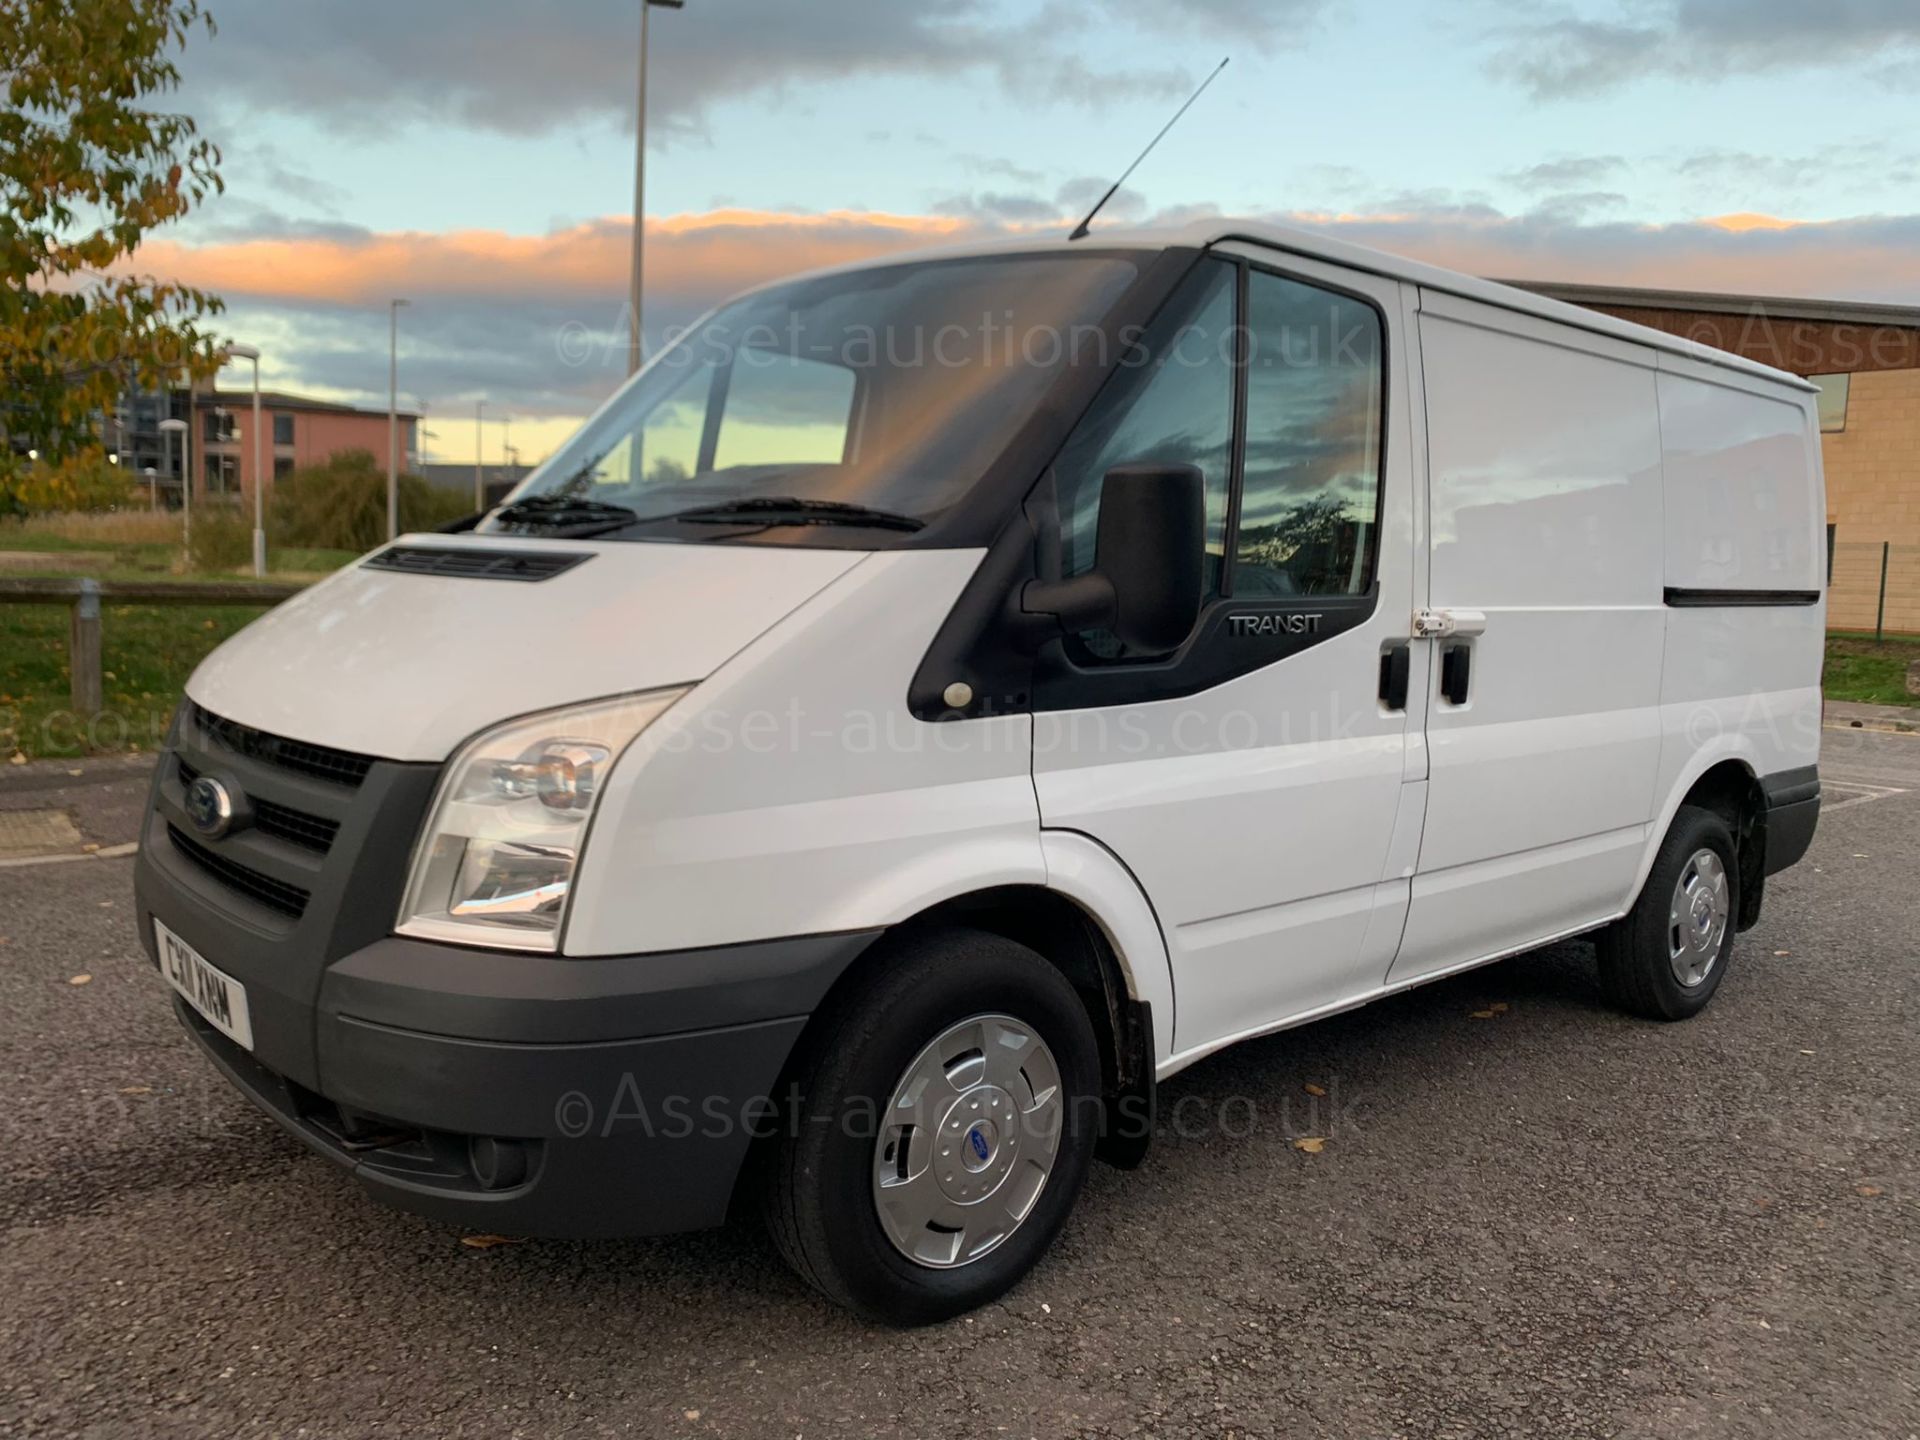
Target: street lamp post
479, 479
248, 352
393, 417
640, 184
170, 428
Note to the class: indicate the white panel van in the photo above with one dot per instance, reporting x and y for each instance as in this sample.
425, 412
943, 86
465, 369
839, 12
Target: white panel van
935, 701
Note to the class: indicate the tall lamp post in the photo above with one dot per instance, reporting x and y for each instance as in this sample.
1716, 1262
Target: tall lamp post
393, 417
640, 183
170, 428
248, 352
479, 435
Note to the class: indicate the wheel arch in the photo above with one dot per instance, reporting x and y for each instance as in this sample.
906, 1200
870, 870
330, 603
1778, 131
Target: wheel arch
1086, 947
1729, 785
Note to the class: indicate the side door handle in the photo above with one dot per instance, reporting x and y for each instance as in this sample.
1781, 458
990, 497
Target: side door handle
1396, 670
1456, 672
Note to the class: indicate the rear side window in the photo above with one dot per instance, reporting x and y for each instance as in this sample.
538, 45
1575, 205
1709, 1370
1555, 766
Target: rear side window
1310, 493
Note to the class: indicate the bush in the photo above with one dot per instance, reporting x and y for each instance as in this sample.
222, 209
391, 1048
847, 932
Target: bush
342, 505
87, 481
222, 539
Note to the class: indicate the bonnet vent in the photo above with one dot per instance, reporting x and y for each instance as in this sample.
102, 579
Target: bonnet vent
477, 563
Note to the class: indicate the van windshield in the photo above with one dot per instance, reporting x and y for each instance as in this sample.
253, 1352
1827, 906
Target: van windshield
872, 399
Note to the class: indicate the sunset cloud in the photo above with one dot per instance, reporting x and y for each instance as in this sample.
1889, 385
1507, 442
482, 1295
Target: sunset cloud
502, 315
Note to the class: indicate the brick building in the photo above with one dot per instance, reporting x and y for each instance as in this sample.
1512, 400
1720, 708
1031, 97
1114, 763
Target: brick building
1866, 361
298, 432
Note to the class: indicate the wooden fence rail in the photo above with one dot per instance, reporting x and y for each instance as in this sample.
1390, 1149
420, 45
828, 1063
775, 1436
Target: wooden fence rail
84, 598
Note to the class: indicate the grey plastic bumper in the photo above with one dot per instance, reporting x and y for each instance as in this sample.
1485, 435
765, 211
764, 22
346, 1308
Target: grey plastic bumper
628, 1089
1792, 815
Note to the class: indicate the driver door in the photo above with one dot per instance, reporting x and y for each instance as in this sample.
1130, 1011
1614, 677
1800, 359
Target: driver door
1265, 783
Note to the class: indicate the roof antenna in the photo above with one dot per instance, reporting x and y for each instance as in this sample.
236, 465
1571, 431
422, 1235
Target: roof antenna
1080, 231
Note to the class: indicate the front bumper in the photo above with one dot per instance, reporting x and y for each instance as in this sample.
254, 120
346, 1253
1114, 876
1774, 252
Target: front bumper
524, 1094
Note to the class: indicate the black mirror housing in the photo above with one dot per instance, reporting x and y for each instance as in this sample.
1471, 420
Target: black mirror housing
1149, 562
1151, 547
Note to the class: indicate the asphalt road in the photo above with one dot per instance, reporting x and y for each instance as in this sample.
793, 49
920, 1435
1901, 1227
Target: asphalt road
1542, 1220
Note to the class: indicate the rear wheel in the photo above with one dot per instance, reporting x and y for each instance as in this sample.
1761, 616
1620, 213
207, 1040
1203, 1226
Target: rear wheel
1668, 955
948, 1114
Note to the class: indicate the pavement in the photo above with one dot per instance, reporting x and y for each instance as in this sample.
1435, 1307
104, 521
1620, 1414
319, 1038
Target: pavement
1903, 719
1530, 1217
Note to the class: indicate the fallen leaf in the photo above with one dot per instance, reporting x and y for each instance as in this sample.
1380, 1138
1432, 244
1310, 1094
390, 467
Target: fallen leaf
691, 1414
1869, 1190
76, 772
1783, 952
1499, 1007
487, 1242
81, 980
137, 1090
19, 758
1483, 1014
1312, 1144
1045, 1309
91, 846
1315, 1089
1807, 1052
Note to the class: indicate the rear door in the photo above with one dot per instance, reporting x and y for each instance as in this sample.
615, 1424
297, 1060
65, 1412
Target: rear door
1543, 726
1257, 782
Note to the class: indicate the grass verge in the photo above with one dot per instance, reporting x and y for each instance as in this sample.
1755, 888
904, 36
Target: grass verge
1868, 674
147, 652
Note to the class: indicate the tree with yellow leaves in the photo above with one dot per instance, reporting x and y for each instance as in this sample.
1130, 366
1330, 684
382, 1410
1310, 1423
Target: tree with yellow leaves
87, 168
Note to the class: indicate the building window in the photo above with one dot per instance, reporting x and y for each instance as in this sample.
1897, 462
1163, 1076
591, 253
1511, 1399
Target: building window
1833, 401
282, 466
283, 429
217, 426
222, 475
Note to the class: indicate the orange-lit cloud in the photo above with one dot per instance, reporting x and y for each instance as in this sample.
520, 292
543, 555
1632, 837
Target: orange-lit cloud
1741, 223
694, 260
501, 317
708, 254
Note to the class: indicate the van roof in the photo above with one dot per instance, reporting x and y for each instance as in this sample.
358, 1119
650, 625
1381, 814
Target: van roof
1201, 234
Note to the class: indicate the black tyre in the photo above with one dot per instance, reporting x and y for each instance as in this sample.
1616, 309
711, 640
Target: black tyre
947, 1119
1667, 956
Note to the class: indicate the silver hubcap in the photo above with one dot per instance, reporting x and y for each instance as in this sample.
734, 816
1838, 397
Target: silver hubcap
1697, 921
968, 1141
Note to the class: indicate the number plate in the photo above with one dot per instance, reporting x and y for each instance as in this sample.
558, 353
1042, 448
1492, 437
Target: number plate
220, 999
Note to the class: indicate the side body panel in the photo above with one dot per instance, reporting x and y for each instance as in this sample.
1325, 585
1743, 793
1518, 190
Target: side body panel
1746, 506
1547, 514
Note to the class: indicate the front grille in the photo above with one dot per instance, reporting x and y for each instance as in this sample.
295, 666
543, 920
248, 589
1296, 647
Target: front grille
341, 767
477, 564
315, 832
275, 895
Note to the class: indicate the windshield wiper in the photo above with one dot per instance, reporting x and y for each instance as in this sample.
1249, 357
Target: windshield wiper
571, 515
796, 510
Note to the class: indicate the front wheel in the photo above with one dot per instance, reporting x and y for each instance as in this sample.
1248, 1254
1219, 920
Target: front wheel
1667, 956
948, 1113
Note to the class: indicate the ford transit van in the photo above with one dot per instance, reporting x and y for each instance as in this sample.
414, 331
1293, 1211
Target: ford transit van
937, 700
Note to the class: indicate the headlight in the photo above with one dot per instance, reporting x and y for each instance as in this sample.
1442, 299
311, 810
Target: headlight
496, 860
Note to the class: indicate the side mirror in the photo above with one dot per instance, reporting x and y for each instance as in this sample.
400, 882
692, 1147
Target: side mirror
1149, 561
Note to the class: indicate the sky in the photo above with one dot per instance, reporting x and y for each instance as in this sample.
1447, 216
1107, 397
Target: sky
476, 157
